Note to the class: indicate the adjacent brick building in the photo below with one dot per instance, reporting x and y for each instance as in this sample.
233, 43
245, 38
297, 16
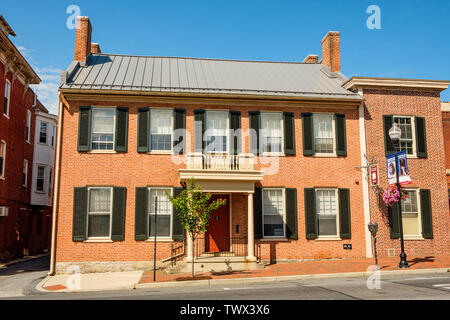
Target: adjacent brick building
284, 143
24, 227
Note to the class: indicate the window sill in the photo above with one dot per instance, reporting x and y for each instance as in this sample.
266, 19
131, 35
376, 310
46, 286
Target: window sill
40, 192
102, 151
5, 115
419, 238
329, 239
98, 241
161, 152
274, 154
274, 239
325, 155
160, 240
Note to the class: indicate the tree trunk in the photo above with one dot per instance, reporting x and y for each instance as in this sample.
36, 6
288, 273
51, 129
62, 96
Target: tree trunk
193, 256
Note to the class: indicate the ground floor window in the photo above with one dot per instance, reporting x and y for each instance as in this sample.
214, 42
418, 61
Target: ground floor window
163, 213
411, 214
273, 213
99, 213
327, 212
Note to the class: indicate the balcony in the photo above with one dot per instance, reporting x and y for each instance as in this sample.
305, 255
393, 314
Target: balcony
221, 167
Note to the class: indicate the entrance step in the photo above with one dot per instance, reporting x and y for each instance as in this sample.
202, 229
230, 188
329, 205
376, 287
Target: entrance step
218, 254
218, 264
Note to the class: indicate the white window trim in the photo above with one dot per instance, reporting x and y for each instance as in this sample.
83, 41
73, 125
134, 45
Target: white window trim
413, 129
114, 132
171, 134
269, 154
99, 213
329, 237
43, 179
283, 196
228, 132
9, 99
25, 171
419, 217
28, 137
46, 133
333, 129
159, 238
3, 145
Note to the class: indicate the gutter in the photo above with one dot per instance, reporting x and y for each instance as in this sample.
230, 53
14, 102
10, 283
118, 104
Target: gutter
56, 188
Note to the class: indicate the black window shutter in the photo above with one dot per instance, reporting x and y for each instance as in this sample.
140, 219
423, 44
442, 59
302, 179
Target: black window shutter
257, 213
394, 221
235, 126
289, 133
118, 213
387, 124
121, 129
425, 207
143, 144
79, 214
308, 134
421, 137
291, 214
84, 129
177, 227
255, 125
310, 213
199, 130
141, 214
180, 125
341, 135
344, 214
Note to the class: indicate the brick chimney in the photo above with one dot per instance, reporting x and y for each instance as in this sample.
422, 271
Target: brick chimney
83, 39
311, 58
331, 56
95, 48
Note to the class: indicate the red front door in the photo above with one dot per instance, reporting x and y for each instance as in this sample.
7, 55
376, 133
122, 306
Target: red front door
217, 238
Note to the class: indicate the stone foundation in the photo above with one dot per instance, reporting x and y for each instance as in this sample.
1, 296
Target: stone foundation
100, 266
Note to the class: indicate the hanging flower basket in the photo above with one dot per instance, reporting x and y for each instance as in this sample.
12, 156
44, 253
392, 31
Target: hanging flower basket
392, 195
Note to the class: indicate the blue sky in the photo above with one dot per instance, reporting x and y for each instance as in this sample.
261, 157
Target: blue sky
413, 41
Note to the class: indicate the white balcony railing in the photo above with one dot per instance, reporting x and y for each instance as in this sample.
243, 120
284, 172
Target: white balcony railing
220, 162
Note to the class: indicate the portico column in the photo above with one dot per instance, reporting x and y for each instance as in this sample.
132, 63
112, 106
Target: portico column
250, 229
190, 249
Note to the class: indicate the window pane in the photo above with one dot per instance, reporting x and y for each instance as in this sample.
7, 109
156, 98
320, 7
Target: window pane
40, 179
271, 132
161, 122
273, 203
163, 223
410, 214
323, 133
406, 138
43, 132
103, 120
98, 225
273, 226
327, 226
216, 131
326, 206
99, 200
161, 142
164, 204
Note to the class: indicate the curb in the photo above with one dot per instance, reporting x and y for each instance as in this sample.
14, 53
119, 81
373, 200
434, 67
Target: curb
172, 284
7, 264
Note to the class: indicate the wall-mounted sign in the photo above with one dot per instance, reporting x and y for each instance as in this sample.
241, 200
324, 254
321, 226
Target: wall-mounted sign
374, 174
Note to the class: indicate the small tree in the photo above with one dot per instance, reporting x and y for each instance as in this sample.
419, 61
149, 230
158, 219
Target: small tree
194, 209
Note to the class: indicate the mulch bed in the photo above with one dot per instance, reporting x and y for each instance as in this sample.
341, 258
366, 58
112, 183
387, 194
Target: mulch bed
194, 278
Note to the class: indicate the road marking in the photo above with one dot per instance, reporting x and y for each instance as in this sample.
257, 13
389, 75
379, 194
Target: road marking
236, 288
441, 285
422, 278
448, 288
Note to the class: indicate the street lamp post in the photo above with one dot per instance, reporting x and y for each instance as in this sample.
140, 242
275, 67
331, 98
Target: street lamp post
395, 133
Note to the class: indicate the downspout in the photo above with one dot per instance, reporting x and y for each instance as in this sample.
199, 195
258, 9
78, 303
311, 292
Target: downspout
364, 172
56, 188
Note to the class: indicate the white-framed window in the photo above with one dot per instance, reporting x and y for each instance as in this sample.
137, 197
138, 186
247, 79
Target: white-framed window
161, 129
324, 133
407, 139
103, 128
2, 158
327, 212
99, 212
40, 178
216, 134
50, 178
7, 98
274, 213
28, 127
43, 131
25, 173
271, 132
411, 216
163, 214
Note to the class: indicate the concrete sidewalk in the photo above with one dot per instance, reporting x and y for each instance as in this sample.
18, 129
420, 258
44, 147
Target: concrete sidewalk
275, 272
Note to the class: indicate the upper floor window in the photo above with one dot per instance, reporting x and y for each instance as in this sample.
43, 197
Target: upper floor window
2, 158
163, 213
271, 132
7, 98
43, 129
40, 179
28, 127
323, 125
161, 129
103, 124
216, 134
273, 213
99, 213
25, 173
406, 142
327, 212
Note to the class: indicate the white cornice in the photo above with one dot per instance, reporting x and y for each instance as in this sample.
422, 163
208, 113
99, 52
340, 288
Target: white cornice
368, 82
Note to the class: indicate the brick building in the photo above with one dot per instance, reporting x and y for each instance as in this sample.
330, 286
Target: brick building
24, 226
282, 142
